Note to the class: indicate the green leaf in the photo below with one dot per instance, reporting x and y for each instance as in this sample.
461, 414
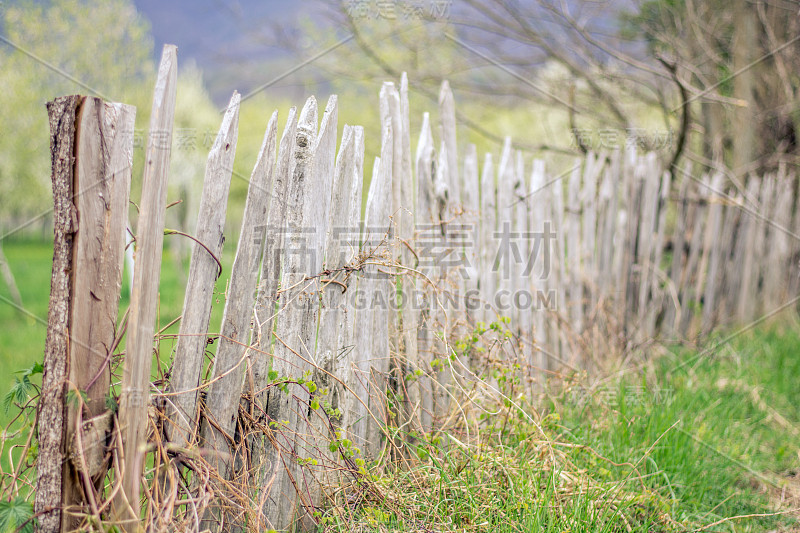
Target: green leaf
36, 368
15, 513
19, 393
314, 403
111, 404
272, 375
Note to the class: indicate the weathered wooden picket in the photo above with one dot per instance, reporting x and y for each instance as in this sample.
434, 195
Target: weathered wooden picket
341, 339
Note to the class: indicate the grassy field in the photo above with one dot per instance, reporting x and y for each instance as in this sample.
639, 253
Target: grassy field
685, 443
688, 444
22, 334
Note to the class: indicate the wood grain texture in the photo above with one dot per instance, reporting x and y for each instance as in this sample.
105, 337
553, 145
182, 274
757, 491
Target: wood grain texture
715, 254
309, 198
470, 220
372, 342
749, 281
273, 234
487, 281
672, 307
409, 358
698, 217
447, 118
261, 447
505, 222
233, 354
353, 405
656, 293
135, 395
204, 270
280, 500
337, 314
542, 229
427, 225
103, 160
645, 245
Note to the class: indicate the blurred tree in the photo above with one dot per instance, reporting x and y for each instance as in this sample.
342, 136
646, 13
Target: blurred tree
722, 75
106, 50
546, 53
740, 60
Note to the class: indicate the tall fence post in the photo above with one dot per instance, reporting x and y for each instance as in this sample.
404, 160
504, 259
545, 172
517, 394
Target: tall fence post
91, 205
134, 399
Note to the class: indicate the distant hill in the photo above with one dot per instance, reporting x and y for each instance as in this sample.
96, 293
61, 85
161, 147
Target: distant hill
222, 37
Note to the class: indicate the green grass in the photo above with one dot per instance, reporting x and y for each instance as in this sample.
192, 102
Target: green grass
705, 436
680, 446
22, 334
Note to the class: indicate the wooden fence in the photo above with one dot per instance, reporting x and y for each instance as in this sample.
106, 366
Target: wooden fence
341, 340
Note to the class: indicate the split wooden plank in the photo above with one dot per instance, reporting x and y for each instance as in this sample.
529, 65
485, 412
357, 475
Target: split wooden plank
768, 191
443, 315
715, 258
134, 399
429, 228
706, 248
622, 237
523, 300
103, 161
447, 117
294, 494
657, 275
572, 227
609, 195
91, 171
777, 257
505, 212
373, 250
729, 271
746, 259
646, 240
204, 270
318, 439
518, 252
372, 344
400, 339
672, 307
688, 295
542, 250
632, 187
337, 319
592, 171
409, 316
224, 393
262, 453
486, 244
352, 404
336, 335
470, 191
794, 268
313, 435
273, 234
557, 282
292, 328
